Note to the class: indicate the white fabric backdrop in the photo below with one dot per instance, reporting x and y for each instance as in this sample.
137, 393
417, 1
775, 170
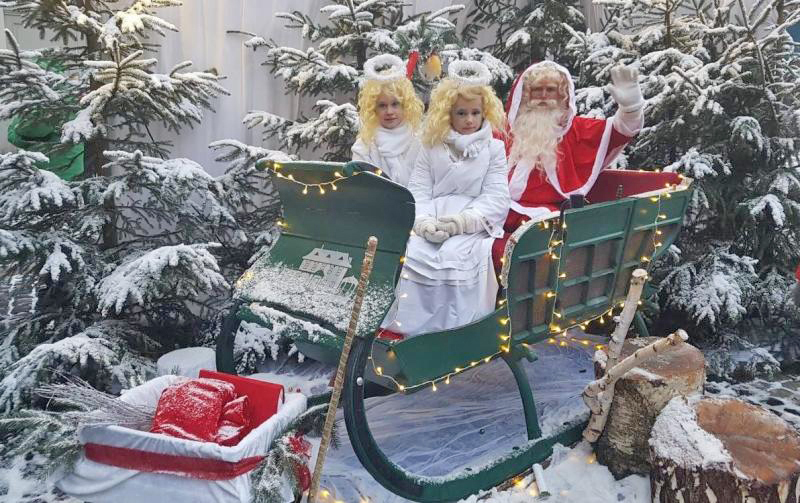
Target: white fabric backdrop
203, 40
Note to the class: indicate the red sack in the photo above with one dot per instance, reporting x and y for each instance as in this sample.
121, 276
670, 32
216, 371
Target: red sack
191, 409
263, 398
234, 423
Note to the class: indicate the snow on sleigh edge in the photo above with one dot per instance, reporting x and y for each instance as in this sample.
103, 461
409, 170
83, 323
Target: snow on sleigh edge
196, 471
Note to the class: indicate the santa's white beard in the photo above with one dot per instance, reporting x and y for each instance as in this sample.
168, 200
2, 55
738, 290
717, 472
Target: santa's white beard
536, 133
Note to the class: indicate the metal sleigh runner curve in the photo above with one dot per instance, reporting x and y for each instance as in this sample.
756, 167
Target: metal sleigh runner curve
559, 272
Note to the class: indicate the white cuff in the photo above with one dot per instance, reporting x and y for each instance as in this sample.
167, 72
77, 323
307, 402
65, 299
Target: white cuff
630, 121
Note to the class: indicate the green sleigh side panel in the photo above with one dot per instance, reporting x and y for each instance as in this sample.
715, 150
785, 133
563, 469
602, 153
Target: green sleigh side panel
305, 286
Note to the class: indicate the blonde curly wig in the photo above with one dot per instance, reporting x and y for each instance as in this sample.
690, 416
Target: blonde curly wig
402, 89
444, 96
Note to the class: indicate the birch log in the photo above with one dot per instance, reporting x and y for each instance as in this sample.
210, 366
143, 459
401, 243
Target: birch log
638, 277
639, 396
598, 417
720, 450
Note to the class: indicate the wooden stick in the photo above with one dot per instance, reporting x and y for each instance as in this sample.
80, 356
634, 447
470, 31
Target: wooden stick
330, 416
626, 317
599, 393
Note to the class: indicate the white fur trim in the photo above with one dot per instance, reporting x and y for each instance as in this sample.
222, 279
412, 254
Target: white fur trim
395, 71
473, 73
518, 183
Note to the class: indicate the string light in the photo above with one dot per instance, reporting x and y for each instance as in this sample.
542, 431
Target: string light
274, 167
554, 328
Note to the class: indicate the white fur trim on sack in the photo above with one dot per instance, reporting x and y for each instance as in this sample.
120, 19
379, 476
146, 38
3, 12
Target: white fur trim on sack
472, 73
395, 71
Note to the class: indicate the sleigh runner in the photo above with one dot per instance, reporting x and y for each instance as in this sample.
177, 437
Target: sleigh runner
559, 272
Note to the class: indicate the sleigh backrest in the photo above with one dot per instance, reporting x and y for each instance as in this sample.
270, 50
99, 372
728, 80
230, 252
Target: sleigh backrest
306, 283
553, 285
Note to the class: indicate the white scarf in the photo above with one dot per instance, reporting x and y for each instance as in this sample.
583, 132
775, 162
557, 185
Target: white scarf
470, 145
394, 142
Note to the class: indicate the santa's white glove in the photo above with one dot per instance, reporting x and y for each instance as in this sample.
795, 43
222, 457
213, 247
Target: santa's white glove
425, 228
625, 88
466, 222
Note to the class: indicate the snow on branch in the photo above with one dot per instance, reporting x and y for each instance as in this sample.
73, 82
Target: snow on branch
131, 94
714, 289
138, 17
501, 72
310, 72
768, 206
98, 353
336, 125
26, 190
14, 243
25, 87
698, 165
245, 157
167, 272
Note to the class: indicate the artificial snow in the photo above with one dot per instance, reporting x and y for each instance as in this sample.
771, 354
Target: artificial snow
283, 286
573, 476
677, 436
468, 423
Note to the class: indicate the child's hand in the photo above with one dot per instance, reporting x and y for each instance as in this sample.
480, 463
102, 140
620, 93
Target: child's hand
437, 236
426, 228
466, 222
448, 224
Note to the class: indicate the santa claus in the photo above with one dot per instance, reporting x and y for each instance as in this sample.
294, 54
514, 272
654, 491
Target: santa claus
554, 154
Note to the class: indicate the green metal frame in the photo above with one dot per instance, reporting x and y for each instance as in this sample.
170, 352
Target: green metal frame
602, 245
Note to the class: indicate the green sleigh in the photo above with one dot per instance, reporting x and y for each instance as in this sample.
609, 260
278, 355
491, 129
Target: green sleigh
558, 273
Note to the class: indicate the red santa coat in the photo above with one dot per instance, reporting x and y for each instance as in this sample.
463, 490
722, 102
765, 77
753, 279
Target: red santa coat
587, 146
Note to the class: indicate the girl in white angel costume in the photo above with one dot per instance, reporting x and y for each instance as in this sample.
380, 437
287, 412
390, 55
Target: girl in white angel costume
390, 114
460, 186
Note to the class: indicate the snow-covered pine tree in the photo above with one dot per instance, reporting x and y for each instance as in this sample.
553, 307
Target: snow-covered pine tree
331, 69
722, 88
133, 259
528, 31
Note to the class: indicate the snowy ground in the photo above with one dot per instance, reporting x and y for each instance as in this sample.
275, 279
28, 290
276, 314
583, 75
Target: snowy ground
474, 419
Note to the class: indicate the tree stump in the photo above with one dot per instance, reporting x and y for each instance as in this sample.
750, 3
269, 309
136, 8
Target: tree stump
639, 396
711, 450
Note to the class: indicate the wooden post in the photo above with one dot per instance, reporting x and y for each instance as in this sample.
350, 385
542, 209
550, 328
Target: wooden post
330, 416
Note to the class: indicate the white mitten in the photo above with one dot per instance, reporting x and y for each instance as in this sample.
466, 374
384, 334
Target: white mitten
625, 88
466, 222
425, 228
423, 225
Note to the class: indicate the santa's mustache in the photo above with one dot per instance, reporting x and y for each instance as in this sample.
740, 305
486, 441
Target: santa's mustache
539, 104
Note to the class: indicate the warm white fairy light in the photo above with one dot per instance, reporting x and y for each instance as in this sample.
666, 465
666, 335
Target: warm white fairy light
554, 328
321, 187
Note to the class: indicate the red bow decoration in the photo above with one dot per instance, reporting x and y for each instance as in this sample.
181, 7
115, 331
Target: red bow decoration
413, 57
301, 447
